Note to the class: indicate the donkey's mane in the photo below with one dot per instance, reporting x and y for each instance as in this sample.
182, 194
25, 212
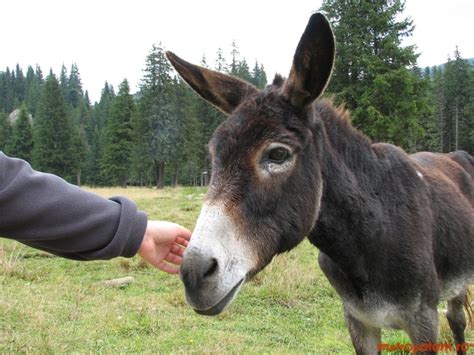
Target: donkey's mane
352, 147
339, 117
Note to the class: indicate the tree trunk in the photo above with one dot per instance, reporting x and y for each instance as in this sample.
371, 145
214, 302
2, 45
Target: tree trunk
78, 178
174, 181
155, 168
160, 174
441, 121
205, 172
456, 144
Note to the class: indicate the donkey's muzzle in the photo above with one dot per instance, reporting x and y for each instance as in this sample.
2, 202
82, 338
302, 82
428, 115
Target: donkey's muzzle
215, 263
209, 288
197, 270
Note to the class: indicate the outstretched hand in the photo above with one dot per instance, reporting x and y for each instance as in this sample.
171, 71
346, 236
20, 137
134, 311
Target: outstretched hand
163, 245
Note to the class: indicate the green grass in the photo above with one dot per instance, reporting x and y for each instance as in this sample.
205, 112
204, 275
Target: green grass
54, 305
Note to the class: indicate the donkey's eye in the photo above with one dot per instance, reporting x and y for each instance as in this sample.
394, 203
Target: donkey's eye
278, 155
276, 159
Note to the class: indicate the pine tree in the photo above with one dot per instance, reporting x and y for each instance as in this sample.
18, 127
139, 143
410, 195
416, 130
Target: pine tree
156, 127
5, 132
3, 92
81, 118
243, 70
95, 136
74, 92
53, 133
79, 112
118, 138
19, 86
21, 142
87, 99
13, 87
372, 74
184, 155
7, 91
30, 75
430, 122
101, 110
258, 76
141, 160
79, 152
263, 77
35, 81
191, 133
233, 68
209, 119
221, 64
63, 81
204, 61
470, 113
457, 94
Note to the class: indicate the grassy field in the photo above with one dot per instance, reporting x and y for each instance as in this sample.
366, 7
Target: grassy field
53, 305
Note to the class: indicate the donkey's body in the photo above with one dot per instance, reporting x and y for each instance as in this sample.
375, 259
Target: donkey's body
395, 232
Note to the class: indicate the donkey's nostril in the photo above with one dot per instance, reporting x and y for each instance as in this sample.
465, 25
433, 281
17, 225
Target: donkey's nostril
212, 268
197, 269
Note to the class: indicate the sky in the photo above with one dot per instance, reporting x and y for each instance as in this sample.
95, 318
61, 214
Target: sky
110, 39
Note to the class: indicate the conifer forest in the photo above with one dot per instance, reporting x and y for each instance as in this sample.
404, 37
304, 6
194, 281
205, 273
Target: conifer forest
157, 136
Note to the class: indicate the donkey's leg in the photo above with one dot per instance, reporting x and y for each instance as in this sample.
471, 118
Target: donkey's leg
422, 328
365, 338
457, 319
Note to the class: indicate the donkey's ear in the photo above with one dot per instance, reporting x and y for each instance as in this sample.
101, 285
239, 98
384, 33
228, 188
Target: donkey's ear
312, 63
223, 91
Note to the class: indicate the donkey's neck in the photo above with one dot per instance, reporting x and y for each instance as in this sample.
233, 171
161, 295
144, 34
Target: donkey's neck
348, 215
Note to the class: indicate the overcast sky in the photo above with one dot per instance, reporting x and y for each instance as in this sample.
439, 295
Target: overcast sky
109, 39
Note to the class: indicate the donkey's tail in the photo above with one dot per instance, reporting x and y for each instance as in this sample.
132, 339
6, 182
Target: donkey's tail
468, 302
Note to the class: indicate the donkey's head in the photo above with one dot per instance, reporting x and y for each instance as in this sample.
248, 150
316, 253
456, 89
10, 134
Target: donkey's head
266, 183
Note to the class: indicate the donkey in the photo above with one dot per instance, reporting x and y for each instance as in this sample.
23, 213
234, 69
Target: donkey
395, 232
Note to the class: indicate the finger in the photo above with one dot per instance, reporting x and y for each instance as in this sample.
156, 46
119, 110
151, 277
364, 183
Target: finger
183, 232
182, 241
176, 249
167, 268
174, 259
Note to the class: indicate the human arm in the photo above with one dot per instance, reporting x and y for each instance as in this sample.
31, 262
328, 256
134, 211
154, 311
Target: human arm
47, 213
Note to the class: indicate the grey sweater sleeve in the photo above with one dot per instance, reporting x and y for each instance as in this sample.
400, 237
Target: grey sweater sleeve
45, 212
